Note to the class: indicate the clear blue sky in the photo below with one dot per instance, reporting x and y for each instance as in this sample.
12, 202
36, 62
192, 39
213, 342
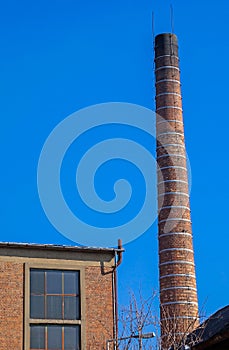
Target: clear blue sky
58, 56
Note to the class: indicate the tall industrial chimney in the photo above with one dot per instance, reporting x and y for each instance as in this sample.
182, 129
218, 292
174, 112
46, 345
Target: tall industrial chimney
178, 295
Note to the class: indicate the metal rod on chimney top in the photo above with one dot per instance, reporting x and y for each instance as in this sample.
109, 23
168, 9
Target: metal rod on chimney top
178, 296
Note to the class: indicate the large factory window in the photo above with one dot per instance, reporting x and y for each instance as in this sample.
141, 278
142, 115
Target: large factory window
54, 309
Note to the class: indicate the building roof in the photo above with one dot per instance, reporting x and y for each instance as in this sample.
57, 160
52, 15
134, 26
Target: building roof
59, 247
213, 333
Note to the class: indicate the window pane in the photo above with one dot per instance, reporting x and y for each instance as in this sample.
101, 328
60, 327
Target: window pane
37, 307
37, 281
71, 282
37, 337
71, 308
54, 307
54, 282
54, 337
72, 338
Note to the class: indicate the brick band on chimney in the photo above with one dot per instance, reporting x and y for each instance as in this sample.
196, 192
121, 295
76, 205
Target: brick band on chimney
178, 295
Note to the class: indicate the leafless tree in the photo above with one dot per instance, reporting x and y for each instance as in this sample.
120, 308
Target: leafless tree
141, 317
135, 320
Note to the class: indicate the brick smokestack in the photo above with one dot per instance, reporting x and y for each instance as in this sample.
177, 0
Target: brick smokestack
178, 295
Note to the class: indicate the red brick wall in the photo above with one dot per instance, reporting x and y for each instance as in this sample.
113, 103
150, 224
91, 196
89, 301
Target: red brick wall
11, 306
99, 308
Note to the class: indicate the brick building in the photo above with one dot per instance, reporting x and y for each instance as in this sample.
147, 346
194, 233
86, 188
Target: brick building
57, 297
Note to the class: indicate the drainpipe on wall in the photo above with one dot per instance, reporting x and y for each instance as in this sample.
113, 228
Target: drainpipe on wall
118, 261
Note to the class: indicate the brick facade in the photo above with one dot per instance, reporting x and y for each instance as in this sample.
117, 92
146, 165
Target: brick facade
99, 308
97, 299
11, 305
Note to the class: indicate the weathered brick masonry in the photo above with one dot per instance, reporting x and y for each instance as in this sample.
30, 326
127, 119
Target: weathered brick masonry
99, 308
11, 305
178, 296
